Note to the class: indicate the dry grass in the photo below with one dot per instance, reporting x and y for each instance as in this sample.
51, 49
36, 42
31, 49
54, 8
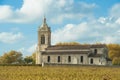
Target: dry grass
58, 73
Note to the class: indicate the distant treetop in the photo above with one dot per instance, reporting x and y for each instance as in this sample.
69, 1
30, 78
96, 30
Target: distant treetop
74, 43
69, 44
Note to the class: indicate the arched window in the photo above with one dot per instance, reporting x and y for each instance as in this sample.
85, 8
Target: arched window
81, 59
95, 51
69, 58
58, 58
91, 61
48, 59
42, 39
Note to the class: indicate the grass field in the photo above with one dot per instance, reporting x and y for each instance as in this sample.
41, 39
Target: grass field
58, 73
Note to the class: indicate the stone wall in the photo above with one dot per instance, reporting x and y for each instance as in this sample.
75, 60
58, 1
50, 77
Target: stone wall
97, 61
38, 57
99, 50
75, 58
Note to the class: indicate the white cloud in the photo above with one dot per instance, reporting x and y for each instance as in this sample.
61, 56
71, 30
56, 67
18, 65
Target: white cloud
118, 20
104, 30
72, 11
32, 10
110, 39
32, 48
102, 20
22, 50
27, 51
118, 31
5, 12
70, 32
115, 11
9, 37
100, 29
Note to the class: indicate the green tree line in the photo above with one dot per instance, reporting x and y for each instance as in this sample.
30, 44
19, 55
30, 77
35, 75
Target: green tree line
114, 53
15, 57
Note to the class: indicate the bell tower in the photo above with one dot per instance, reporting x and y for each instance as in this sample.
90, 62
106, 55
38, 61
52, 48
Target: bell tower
44, 40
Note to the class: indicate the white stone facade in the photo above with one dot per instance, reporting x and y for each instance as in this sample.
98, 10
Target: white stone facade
96, 54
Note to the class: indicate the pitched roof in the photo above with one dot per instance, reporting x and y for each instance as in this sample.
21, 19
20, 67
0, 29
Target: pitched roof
75, 47
68, 47
108, 59
44, 26
68, 52
95, 55
98, 46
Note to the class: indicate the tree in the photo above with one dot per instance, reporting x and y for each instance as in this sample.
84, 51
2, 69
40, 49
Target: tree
12, 57
116, 61
67, 43
34, 57
114, 50
30, 59
114, 53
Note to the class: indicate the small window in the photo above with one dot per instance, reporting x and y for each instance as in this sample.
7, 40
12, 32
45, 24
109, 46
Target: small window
42, 39
95, 51
48, 59
91, 61
58, 58
81, 59
69, 58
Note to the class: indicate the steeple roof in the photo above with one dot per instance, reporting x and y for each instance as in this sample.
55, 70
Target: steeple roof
44, 25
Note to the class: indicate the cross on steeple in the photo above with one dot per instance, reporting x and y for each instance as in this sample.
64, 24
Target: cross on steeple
44, 25
44, 20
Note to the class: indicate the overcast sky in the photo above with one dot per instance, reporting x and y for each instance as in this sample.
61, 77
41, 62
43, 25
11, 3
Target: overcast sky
84, 21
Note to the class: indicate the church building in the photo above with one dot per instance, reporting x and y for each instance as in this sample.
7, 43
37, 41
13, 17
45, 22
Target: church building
92, 54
